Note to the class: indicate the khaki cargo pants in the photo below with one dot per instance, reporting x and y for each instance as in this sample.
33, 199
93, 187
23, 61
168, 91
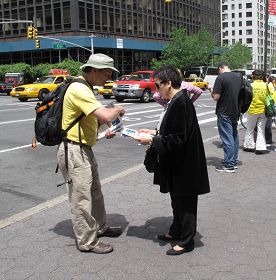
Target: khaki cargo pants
85, 194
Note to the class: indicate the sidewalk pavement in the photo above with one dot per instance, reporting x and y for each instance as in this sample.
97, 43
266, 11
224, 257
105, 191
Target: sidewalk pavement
236, 236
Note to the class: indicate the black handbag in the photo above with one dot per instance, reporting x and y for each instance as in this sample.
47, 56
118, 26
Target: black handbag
151, 159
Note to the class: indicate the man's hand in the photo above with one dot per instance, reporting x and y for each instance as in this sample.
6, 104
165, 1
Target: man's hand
121, 110
109, 134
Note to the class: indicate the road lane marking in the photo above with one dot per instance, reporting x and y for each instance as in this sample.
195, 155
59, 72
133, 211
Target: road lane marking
17, 121
62, 198
132, 125
142, 112
17, 148
207, 120
17, 109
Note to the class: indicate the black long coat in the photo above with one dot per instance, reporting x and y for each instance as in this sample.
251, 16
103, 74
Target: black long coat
182, 164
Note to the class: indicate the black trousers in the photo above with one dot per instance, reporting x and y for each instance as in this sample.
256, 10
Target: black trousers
184, 223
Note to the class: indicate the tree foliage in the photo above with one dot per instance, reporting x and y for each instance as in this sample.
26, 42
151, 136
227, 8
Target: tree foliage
237, 55
43, 69
184, 50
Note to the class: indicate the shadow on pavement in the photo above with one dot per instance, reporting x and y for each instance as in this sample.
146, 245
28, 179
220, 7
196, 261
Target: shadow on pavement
65, 227
156, 226
213, 161
218, 144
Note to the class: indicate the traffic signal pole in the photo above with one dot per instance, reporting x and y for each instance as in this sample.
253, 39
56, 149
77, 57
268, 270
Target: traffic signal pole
63, 41
265, 37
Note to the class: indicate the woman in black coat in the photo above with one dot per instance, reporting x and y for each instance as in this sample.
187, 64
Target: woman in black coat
181, 168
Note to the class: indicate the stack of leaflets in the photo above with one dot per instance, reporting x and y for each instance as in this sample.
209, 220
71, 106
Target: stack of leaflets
127, 132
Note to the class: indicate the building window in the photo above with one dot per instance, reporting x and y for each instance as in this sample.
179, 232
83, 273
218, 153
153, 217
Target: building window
249, 32
248, 14
233, 15
233, 6
248, 5
240, 32
240, 23
233, 24
249, 41
224, 24
224, 8
224, 16
240, 6
249, 23
233, 32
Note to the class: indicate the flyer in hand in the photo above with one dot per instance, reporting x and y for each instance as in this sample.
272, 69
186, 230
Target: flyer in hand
117, 125
127, 132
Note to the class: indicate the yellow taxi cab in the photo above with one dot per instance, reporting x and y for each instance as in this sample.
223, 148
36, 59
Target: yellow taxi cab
198, 82
41, 87
106, 90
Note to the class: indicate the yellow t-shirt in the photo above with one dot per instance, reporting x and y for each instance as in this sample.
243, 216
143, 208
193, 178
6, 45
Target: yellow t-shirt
80, 99
257, 105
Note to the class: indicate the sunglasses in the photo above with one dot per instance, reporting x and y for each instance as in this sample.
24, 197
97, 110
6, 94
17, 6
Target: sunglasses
158, 85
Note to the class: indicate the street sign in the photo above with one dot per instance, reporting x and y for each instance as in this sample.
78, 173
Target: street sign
120, 43
59, 46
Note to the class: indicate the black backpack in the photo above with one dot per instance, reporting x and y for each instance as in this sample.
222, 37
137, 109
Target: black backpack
245, 96
48, 122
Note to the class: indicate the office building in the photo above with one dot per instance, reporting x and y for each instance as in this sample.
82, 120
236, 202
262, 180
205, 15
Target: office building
244, 21
131, 31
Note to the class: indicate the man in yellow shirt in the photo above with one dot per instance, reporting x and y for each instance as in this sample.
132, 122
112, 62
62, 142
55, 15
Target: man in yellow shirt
78, 164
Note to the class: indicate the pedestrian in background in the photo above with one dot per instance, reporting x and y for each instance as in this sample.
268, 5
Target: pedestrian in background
84, 187
268, 124
226, 93
181, 169
256, 114
193, 92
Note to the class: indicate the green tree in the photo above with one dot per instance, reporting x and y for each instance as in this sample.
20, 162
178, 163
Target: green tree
72, 66
41, 70
184, 50
272, 63
237, 55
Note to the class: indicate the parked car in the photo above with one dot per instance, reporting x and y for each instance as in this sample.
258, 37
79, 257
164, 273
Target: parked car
39, 88
106, 91
140, 85
199, 82
5, 88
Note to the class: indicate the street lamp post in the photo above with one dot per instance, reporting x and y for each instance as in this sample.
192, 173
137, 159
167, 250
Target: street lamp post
265, 38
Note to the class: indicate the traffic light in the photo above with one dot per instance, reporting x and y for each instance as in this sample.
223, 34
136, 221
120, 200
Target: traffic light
35, 33
30, 32
37, 44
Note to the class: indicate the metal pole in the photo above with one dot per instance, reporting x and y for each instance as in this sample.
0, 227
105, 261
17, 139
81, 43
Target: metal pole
265, 38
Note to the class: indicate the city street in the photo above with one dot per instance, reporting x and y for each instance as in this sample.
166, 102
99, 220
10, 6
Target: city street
235, 240
28, 176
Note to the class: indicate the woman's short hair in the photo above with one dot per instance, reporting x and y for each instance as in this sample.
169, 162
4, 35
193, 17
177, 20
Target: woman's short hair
169, 73
258, 74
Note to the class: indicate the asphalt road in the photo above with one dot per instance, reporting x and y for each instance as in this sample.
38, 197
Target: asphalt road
28, 176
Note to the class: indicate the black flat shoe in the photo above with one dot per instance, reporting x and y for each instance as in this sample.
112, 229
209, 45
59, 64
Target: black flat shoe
163, 237
172, 252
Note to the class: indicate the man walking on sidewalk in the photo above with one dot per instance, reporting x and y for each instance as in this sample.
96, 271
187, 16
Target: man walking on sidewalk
76, 159
226, 92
